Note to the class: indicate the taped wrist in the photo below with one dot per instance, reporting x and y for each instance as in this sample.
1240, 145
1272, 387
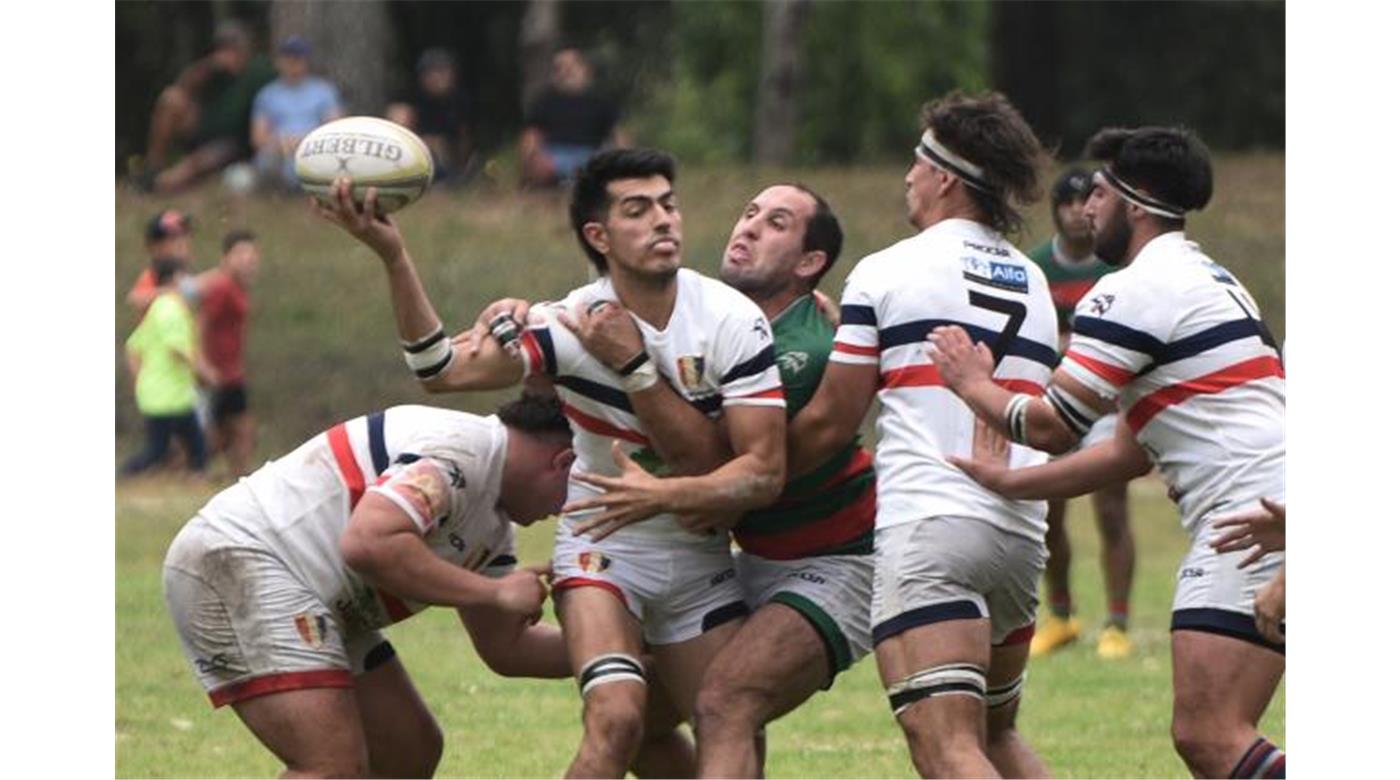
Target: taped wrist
638, 374
429, 356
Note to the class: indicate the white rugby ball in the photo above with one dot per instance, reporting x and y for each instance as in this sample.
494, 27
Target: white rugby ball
373, 152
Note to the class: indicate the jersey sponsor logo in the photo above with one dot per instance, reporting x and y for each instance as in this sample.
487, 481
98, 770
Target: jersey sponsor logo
807, 576
593, 562
1005, 276
218, 662
691, 371
996, 251
1192, 572
1100, 304
793, 362
312, 629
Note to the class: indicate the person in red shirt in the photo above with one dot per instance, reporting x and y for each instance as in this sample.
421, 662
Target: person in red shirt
222, 293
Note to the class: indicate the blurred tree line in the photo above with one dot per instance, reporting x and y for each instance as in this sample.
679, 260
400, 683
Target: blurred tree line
782, 81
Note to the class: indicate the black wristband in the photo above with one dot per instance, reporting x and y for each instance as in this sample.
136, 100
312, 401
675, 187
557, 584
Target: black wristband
638, 360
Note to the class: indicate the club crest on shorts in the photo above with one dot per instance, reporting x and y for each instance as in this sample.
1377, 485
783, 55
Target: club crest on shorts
593, 562
690, 369
312, 629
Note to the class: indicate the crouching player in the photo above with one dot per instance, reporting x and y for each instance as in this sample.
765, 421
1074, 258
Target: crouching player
280, 584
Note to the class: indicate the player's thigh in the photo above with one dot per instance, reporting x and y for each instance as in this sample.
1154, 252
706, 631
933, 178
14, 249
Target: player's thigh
403, 737
597, 627
776, 658
1222, 680
1005, 680
682, 665
315, 730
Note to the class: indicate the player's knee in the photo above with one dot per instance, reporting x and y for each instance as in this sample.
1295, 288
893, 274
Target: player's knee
1204, 746
722, 705
331, 766
613, 724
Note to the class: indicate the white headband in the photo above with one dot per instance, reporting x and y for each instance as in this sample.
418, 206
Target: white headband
1139, 198
941, 156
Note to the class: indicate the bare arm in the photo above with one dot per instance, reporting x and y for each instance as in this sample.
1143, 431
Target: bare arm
967, 369
830, 420
383, 545
260, 133
1076, 474
487, 368
513, 649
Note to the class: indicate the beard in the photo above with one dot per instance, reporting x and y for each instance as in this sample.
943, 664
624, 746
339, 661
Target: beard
1111, 241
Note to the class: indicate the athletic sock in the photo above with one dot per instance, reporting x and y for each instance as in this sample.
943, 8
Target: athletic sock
1263, 759
1060, 605
1118, 614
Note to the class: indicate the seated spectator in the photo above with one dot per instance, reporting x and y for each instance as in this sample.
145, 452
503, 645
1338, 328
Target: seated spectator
223, 328
167, 237
287, 109
439, 113
206, 112
163, 359
566, 124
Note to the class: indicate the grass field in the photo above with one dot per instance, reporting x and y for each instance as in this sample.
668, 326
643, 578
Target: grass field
322, 349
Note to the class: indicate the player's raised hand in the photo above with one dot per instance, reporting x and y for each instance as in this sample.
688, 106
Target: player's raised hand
630, 498
607, 331
960, 361
471, 340
1262, 529
522, 593
375, 230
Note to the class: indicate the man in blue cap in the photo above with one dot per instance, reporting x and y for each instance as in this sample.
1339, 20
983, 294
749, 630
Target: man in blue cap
287, 109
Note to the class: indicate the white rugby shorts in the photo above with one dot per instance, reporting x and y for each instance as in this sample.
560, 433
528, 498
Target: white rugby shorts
678, 591
831, 591
1214, 595
250, 627
954, 568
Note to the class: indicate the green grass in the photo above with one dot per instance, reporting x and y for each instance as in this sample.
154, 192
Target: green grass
1088, 718
322, 349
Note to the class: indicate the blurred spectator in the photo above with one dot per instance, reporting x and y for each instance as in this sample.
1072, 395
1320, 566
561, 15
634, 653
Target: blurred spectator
205, 111
439, 113
566, 124
287, 109
222, 293
162, 357
167, 237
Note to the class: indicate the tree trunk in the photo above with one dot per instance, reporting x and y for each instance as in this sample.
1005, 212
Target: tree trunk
539, 35
775, 125
351, 46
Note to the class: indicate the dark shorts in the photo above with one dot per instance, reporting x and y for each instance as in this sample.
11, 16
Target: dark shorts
229, 400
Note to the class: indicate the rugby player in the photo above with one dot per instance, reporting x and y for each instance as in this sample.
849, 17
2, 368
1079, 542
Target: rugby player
956, 566
656, 583
280, 584
1175, 342
1071, 268
804, 562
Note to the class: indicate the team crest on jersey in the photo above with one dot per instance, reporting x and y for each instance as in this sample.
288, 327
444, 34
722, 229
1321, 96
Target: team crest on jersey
1101, 303
312, 629
793, 362
593, 562
690, 369
1004, 276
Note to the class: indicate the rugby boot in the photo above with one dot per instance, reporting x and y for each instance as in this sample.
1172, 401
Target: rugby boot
1054, 633
1114, 643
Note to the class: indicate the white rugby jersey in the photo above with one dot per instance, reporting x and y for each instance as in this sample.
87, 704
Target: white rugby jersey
442, 467
716, 351
1177, 340
957, 272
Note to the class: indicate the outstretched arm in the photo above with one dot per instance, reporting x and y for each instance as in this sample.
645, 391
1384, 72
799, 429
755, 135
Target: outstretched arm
1085, 471
830, 420
438, 366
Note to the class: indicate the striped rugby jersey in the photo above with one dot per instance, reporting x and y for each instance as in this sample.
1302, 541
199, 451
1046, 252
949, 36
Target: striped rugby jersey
830, 511
716, 351
442, 467
1177, 340
957, 272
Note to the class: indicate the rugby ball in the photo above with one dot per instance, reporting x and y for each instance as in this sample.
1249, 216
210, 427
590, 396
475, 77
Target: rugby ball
373, 152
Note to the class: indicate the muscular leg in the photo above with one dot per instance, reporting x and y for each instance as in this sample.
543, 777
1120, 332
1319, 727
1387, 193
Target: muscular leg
314, 732
682, 665
666, 750
403, 738
1008, 750
1118, 556
947, 733
595, 622
1222, 686
775, 662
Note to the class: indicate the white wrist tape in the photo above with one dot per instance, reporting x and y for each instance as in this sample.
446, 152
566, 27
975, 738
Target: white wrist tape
429, 356
640, 377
